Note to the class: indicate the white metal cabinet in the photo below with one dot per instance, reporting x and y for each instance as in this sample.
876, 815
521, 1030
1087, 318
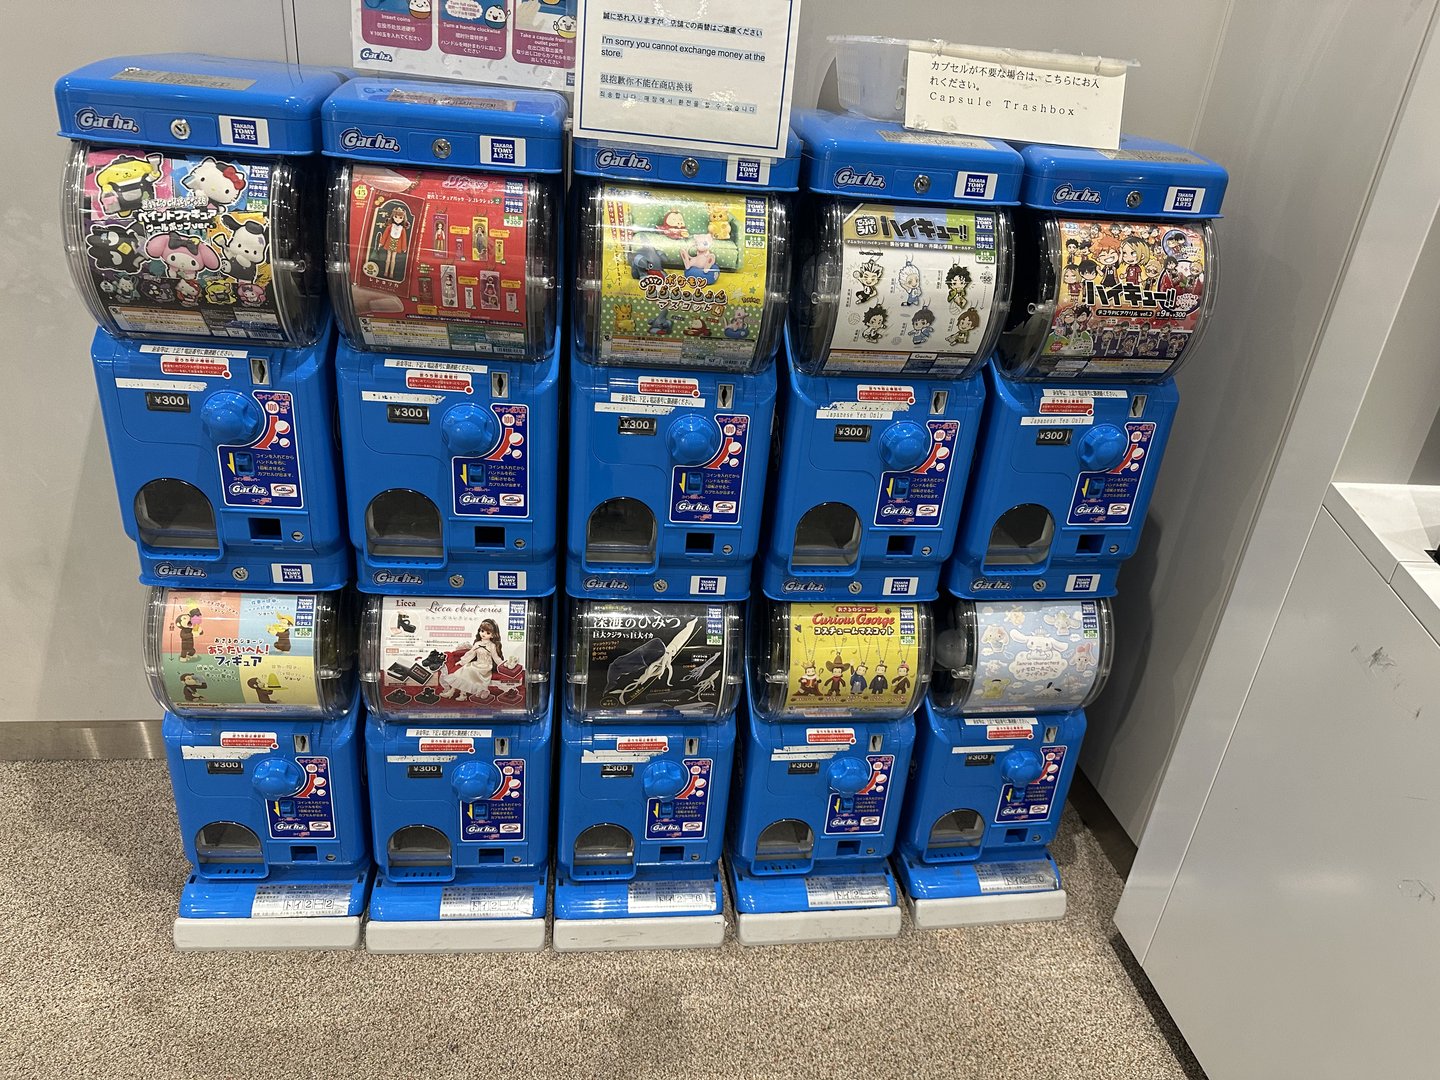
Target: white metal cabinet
1302, 937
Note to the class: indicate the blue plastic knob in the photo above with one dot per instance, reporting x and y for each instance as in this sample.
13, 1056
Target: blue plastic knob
664, 779
1022, 767
1103, 447
474, 780
904, 445
278, 778
693, 440
468, 429
847, 775
233, 418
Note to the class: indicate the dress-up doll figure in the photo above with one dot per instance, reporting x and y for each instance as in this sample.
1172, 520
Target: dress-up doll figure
879, 682
810, 682
475, 670
394, 240
836, 679
858, 681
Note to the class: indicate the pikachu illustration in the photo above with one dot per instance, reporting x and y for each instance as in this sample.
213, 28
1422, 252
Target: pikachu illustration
719, 222
624, 318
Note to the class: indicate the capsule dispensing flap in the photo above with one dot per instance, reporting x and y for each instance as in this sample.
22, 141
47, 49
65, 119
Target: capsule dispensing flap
1145, 178
459, 127
863, 158
202, 103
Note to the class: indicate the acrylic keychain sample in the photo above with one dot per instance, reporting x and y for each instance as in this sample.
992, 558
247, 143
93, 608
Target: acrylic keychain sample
1130, 291
672, 657
186, 244
440, 656
914, 280
683, 275
438, 261
852, 658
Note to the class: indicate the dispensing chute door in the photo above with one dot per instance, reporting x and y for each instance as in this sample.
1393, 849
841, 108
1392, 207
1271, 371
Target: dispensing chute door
175, 516
620, 530
827, 536
1021, 537
403, 524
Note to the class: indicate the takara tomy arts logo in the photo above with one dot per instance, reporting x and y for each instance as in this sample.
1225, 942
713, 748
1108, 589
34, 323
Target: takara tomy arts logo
621, 159
385, 577
90, 120
355, 139
378, 55
848, 177
167, 570
1066, 193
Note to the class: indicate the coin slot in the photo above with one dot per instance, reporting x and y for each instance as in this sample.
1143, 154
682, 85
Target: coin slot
725, 395
938, 401
499, 384
259, 371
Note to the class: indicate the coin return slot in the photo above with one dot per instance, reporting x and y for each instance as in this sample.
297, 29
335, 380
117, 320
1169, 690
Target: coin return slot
699, 543
827, 536
265, 529
304, 853
620, 531
1014, 836
490, 855
175, 516
900, 545
489, 536
1021, 537
499, 384
403, 524
937, 402
672, 853
1090, 544
847, 847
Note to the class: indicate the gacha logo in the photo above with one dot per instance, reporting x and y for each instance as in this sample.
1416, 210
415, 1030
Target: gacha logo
471, 498
897, 511
166, 570
606, 583
355, 139
802, 587
982, 585
688, 506
90, 120
242, 488
848, 177
379, 55
384, 577
1066, 193
622, 159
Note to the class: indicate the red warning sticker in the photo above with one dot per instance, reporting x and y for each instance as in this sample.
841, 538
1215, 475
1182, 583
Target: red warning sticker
450, 382
207, 367
262, 740
842, 736
903, 395
673, 387
645, 743
447, 746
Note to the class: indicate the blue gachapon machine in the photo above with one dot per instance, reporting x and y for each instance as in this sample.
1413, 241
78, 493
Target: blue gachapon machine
262, 735
443, 257
1115, 280
682, 277
826, 738
902, 288
187, 210
997, 746
645, 761
458, 743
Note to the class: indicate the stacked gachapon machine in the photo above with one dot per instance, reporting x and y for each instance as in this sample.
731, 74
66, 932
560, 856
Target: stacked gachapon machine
682, 275
902, 286
188, 204
444, 255
1115, 277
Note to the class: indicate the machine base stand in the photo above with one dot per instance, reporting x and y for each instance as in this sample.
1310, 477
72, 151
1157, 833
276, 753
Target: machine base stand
640, 932
642, 913
839, 900
788, 927
285, 910
982, 893
468, 914
311, 932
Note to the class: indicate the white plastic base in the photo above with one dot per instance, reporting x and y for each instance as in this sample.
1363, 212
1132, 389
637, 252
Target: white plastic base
788, 927
650, 932
989, 910
319, 932
456, 935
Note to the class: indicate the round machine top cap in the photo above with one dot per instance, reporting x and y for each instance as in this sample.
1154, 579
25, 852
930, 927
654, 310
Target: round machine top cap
689, 168
196, 102
413, 122
1144, 178
863, 158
